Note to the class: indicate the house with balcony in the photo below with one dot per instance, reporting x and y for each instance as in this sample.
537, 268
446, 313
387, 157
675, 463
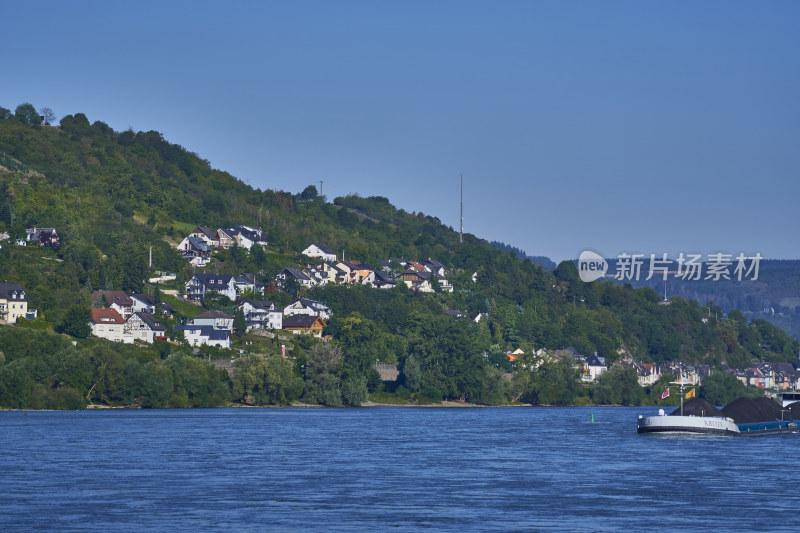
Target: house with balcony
304, 325
262, 314
306, 306
200, 284
117, 300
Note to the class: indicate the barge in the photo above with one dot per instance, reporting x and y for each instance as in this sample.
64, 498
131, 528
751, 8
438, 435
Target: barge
742, 417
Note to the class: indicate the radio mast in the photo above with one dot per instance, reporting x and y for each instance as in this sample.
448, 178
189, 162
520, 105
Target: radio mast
461, 233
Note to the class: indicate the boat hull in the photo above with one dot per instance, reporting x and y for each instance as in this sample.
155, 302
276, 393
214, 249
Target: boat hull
687, 424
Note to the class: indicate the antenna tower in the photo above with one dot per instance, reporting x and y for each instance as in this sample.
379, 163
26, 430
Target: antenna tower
461, 233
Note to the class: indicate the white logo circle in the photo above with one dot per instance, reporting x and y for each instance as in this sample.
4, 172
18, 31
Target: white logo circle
591, 266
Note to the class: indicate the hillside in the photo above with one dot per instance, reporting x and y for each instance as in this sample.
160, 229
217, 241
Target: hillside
114, 195
774, 296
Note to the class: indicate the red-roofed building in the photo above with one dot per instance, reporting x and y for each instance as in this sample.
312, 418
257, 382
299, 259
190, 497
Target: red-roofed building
108, 324
117, 300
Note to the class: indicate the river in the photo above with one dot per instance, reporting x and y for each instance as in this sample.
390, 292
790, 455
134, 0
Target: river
379, 468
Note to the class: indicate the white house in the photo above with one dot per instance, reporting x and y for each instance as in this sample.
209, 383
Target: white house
215, 319
204, 335
435, 267
262, 314
107, 324
248, 283
200, 284
320, 251
383, 280
247, 236
226, 237
143, 327
143, 302
301, 277
595, 365
304, 306
209, 236
147, 304
444, 285
117, 300
317, 275
196, 250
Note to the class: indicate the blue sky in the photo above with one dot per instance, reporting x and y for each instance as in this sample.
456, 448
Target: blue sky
617, 126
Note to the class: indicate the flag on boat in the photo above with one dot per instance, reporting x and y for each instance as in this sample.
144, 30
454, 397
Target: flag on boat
689, 394
664, 394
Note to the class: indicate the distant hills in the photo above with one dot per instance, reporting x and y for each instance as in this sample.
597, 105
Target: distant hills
774, 296
544, 262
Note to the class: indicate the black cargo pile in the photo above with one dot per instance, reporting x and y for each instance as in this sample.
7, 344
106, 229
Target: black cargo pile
792, 411
697, 407
746, 411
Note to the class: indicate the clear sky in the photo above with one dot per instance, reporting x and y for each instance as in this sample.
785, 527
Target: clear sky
616, 126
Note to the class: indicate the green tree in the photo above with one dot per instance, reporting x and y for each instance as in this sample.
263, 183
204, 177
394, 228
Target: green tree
309, 193
239, 322
265, 380
216, 300
196, 383
16, 384
103, 282
134, 268
150, 384
354, 390
158, 300
444, 355
323, 367
27, 114
552, 382
76, 322
618, 385
258, 256
7, 215
291, 286
721, 388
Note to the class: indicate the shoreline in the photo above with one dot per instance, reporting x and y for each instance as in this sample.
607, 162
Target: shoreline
448, 404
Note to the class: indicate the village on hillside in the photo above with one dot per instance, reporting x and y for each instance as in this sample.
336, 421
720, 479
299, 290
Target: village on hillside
140, 318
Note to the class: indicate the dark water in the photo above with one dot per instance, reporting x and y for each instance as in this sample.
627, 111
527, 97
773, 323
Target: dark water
374, 469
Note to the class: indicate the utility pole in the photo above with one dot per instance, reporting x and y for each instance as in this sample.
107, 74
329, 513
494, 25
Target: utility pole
320, 187
461, 233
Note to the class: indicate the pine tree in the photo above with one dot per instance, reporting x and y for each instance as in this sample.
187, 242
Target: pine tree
239, 322
6, 212
157, 301
103, 278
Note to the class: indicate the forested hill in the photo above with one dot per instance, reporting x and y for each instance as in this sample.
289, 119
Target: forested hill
112, 195
119, 189
774, 296
542, 261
